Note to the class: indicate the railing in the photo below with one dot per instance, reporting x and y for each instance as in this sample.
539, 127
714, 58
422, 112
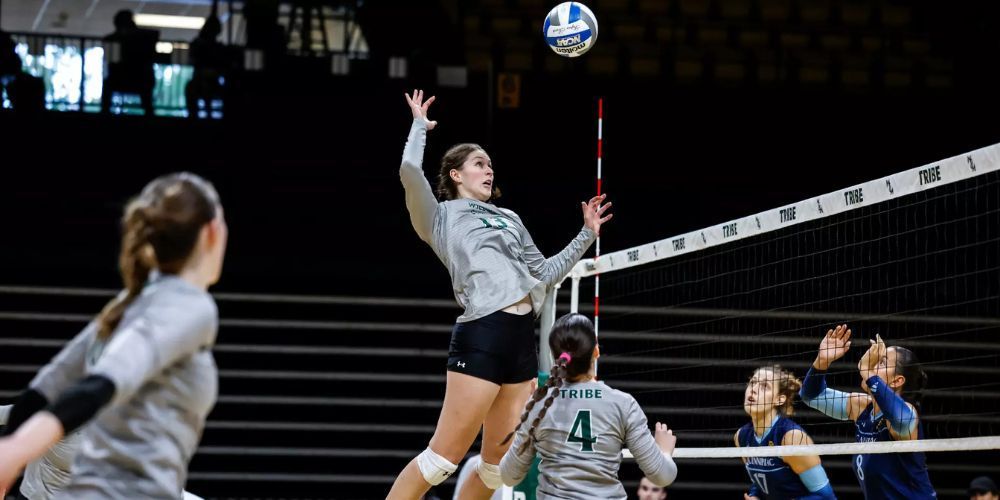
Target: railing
74, 68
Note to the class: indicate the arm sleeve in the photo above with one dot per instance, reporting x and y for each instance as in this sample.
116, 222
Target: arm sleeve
824, 493
67, 367
815, 480
82, 401
514, 466
27, 404
818, 396
5, 414
659, 468
420, 200
899, 414
167, 332
552, 270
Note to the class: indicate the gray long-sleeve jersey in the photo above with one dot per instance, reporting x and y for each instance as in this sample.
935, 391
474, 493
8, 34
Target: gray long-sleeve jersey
160, 361
580, 443
490, 256
48, 475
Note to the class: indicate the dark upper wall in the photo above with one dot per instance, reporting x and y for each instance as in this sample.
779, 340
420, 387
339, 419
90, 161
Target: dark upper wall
307, 165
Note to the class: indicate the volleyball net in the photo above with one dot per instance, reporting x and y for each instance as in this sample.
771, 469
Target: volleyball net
913, 258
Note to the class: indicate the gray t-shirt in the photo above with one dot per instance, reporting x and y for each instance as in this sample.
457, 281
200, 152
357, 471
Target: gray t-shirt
160, 361
47, 476
580, 443
490, 256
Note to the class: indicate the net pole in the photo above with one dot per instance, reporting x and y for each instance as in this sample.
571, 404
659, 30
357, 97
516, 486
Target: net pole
548, 318
574, 295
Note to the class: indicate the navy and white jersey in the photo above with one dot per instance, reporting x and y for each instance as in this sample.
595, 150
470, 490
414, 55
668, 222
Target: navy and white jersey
889, 475
773, 477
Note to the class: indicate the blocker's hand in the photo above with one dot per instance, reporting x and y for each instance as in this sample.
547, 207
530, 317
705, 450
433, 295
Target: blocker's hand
834, 345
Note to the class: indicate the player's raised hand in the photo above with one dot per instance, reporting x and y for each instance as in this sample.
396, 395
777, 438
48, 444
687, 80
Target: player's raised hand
419, 107
872, 363
834, 345
593, 213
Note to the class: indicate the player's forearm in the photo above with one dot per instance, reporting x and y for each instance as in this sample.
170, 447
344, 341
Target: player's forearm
420, 200
557, 266
35, 437
816, 481
901, 417
817, 395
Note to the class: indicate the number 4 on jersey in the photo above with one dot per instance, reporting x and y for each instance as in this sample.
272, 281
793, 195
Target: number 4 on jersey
581, 432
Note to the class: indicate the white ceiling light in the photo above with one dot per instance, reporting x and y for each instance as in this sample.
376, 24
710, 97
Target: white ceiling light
178, 22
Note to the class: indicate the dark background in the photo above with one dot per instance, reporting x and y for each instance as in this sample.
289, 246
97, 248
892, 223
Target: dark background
307, 163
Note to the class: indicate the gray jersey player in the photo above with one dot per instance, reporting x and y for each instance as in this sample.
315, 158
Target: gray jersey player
151, 379
582, 425
499, 276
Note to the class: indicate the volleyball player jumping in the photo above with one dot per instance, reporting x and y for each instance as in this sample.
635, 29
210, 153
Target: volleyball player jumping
499, 277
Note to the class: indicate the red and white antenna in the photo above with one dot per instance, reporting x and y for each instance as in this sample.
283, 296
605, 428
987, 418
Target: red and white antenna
597, 253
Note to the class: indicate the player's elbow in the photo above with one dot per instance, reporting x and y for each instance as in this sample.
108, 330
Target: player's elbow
905, 429
408, 166
409, 174
665, 475
512, 471
511, 477
663, 479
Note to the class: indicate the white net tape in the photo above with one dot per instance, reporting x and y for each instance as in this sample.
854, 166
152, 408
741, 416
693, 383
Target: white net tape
922, 445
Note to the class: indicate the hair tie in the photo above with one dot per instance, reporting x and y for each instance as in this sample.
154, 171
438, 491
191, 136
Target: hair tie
566, 356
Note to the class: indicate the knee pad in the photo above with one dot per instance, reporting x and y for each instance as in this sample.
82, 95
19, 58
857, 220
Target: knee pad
434, 467
490, 474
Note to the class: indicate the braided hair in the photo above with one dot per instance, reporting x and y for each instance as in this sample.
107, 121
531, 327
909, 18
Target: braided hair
573, 337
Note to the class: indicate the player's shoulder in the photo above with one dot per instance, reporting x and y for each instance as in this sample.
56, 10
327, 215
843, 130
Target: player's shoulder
743, 432
509, 213
790, 432
611, 393
173, 294
786, 424
615, 397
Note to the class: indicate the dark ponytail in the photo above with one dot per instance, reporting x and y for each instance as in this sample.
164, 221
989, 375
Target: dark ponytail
573, 337
909, 367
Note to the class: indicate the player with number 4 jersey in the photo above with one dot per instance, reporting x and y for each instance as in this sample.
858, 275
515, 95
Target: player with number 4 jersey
582, 425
